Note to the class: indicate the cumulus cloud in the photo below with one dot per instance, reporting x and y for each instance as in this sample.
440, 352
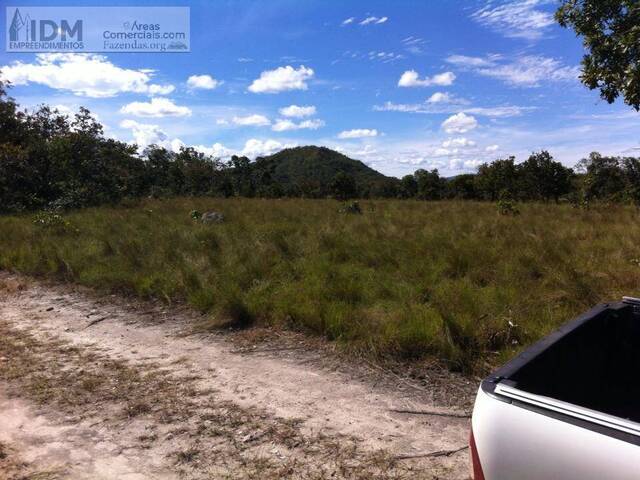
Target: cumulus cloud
298, 111
410, 78
216, 150
440, 97
83, 74
282, 125
157, 107
458, 142
203, 82
358, 133
145, 134
459, 123
258, 148
491, 148
254, 120
282, 79
516, 19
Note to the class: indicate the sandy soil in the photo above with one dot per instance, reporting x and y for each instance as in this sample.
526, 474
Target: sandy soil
290, 410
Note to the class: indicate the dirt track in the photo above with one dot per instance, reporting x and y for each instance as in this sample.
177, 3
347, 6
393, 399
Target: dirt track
93, 387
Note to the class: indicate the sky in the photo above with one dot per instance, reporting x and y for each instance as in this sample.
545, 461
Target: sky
400, 85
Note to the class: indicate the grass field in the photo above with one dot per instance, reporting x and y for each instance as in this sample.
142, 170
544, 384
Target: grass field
455, 281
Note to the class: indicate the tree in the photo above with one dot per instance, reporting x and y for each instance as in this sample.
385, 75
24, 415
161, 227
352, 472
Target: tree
343, 186
408, 186
462, 187
497, 179
604, 178
542, 178
430, 185
610, 31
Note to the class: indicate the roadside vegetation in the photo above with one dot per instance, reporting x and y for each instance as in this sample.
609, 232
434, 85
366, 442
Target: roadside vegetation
457, 281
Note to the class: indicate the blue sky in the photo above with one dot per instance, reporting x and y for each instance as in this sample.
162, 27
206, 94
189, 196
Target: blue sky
400, 85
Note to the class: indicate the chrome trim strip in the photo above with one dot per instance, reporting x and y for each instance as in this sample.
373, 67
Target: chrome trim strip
569, 409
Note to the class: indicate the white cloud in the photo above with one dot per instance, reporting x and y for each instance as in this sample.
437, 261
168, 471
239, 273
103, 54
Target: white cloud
491, 148
281, 79
499, 112
455, 105
204, 82
459, 123
529, 71
348, 21
440, 97
374, 20
145, 134
414, 44
157, 107
410, 78
358, 133
254, 120
83, 74
524, 71
466, 61
458, 142
298, 111
283, 125
516, 19
259, 148
217, 150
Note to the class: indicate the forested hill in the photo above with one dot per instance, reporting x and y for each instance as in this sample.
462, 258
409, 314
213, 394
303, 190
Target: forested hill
317, 169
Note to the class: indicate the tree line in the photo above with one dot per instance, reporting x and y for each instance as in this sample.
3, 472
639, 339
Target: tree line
48, 160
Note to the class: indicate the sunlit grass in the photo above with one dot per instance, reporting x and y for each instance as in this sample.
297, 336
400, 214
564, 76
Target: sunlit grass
455, 280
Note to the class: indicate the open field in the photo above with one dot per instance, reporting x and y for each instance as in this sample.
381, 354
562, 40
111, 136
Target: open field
455, 281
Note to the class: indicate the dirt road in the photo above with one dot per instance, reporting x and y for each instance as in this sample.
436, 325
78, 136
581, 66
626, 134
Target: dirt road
98, 387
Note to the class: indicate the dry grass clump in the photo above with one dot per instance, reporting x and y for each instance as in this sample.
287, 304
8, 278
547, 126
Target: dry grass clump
406, 279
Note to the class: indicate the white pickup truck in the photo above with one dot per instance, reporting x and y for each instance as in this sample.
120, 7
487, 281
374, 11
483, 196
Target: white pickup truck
567, 408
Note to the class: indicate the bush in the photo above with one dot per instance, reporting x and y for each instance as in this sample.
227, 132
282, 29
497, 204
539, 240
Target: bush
351, 208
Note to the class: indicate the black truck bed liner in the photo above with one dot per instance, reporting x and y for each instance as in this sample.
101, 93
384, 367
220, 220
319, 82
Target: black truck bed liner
592, 362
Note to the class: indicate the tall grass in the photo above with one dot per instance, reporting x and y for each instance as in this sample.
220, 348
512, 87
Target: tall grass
454, 280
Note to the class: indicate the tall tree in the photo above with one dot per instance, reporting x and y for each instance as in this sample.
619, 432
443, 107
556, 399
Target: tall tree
497, 179
604, 178
542, 178
430, 185
610, 31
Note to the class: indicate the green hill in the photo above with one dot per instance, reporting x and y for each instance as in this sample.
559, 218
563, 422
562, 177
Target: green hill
312, 169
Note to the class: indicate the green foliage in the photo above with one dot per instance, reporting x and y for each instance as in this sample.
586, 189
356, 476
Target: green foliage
352, 208
48, 160
343, 186
416, 279
506, 206
430, 185
542, 178
497, 178
195, 214
610, 31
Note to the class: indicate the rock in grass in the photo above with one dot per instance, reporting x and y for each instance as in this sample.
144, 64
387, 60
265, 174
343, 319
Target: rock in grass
212, 217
